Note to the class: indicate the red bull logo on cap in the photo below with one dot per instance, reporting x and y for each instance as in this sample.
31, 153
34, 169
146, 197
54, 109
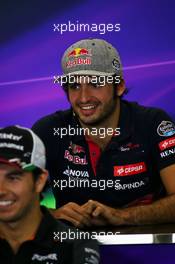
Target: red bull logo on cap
75, 59
79, 52
78, 61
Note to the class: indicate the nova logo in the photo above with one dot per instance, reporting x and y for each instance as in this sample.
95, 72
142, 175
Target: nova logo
76, 173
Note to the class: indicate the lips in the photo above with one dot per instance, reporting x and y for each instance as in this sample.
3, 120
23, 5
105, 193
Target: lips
88, 110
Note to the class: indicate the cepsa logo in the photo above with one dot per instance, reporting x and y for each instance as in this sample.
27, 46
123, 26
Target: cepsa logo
79, 52
167, 143
130, 169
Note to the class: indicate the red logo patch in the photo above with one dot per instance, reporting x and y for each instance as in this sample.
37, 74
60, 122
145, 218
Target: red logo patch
76, 148
130, 169
79, 52
167, 143
78, 61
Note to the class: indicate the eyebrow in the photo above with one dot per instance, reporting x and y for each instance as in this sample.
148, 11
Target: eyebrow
15, 172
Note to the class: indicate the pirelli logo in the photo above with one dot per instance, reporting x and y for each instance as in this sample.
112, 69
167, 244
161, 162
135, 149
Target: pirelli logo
167, 143
130, 169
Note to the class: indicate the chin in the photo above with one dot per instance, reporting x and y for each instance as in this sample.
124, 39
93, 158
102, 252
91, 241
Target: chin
88, 121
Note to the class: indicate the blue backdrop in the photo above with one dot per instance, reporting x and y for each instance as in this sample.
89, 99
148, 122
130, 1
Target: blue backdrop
30, 53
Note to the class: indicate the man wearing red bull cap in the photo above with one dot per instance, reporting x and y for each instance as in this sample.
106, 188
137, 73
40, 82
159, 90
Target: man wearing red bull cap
135, 159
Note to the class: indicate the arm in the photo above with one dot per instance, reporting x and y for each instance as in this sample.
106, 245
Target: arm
161, 211
72, 213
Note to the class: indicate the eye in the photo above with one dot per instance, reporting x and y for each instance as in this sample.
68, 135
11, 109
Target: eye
14, 177
96, 84
97, 81
74, 86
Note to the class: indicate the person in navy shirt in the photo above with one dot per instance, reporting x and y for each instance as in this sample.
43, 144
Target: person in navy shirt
111, 162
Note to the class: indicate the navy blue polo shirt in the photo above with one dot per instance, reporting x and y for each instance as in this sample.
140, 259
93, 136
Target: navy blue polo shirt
125, 173
47, 248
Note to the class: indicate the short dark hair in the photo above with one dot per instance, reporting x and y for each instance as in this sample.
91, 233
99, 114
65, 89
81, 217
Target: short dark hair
126, 91
36, 172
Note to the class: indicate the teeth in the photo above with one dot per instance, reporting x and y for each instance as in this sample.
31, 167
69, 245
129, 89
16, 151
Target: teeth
88, 107
5, 203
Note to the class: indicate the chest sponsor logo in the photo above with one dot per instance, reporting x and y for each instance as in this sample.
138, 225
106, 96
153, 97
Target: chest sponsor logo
41, 258
129, 186
167, 153
76, 148
76, 173
129, 147
166, 129
130, 169
74, 158
167, 143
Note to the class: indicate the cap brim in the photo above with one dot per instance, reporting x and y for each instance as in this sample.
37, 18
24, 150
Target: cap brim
28, 167
7, 162
90, 72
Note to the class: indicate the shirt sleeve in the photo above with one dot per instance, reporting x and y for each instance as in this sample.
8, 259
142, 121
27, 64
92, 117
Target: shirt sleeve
163, 140
83, 246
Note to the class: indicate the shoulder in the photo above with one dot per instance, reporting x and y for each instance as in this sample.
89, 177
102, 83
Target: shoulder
84, 247
151, 115
145, 111
152, 122
53, 119
45, 125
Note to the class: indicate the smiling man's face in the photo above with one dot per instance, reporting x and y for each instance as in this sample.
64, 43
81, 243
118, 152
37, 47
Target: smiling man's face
92, 103
18, 193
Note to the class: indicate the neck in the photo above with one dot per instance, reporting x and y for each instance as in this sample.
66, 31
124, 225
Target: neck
21, 230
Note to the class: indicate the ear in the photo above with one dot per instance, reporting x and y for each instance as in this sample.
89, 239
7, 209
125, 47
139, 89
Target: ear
121, 87
41, 181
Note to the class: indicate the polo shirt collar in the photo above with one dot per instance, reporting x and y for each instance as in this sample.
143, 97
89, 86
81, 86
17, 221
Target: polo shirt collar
125, 124
46, 228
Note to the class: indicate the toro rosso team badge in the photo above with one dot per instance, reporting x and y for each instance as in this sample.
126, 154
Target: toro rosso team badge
73, 154
166, 129
76, 148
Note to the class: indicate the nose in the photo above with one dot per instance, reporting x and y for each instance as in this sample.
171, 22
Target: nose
3, 188
84, 93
